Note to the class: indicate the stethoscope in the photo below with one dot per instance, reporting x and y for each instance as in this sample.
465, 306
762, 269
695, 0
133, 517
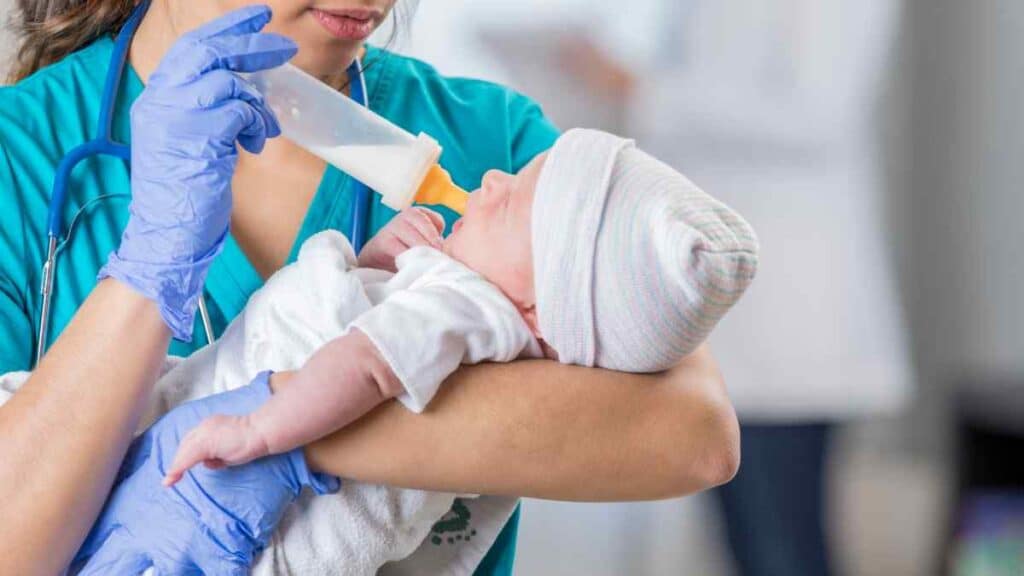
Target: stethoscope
104, 145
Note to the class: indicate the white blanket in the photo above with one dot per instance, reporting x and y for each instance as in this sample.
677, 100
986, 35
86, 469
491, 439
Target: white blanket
364, 526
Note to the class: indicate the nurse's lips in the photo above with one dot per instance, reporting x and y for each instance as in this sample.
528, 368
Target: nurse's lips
348, 24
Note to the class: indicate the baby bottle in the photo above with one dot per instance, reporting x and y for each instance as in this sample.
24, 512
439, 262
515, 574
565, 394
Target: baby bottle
402, 168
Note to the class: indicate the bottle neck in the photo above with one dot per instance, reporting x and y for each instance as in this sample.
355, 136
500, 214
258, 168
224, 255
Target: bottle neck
438, 188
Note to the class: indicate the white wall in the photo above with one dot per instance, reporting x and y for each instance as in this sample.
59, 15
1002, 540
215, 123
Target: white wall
6, 39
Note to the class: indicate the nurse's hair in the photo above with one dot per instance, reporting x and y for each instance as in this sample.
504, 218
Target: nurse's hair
49, 30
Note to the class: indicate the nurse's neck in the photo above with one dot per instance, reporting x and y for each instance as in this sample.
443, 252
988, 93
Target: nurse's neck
157, 32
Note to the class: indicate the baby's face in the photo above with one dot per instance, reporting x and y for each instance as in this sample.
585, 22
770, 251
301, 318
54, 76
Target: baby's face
493, 236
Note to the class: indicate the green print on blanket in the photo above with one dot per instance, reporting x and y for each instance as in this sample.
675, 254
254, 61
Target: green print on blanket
453, 526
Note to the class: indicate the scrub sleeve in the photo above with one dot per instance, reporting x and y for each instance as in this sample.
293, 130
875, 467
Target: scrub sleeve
479, 124
15, 346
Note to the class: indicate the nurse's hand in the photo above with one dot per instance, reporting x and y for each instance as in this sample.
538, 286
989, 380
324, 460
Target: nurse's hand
414, 226
212, 521
185, 127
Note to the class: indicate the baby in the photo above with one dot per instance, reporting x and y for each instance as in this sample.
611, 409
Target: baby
594, 254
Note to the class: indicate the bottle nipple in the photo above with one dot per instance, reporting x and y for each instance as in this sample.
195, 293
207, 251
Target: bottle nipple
438, 188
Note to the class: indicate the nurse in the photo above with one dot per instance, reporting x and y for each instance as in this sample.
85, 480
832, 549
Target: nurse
597, 435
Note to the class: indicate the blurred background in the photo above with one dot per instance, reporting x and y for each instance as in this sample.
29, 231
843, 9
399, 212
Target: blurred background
878, 361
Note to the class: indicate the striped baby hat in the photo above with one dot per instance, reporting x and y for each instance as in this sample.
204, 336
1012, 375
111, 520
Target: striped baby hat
633, 264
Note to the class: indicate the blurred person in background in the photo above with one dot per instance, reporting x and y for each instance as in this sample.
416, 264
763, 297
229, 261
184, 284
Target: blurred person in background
771, 107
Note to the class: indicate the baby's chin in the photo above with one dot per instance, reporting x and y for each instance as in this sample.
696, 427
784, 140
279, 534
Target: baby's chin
449, 247
455, 247
446, 246
450, 244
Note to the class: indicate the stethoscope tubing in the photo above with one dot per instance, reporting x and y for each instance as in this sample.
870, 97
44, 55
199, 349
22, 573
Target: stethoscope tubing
360, 212
102, 145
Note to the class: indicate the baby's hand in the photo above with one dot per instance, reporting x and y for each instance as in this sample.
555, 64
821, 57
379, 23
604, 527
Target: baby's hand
217, 442
415, 226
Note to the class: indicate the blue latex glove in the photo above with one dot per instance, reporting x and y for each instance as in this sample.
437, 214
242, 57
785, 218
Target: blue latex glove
212, 521
185, 126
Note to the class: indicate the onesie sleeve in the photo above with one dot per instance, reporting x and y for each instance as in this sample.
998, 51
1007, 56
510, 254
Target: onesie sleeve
448, 316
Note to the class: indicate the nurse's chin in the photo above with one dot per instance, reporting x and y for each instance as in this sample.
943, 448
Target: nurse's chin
326, 57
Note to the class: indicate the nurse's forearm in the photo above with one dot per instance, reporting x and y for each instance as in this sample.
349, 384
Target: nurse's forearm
66, 431
541, 429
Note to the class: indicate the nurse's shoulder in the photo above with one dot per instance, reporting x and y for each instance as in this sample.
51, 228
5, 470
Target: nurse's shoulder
55, 108
42, 117
479, 123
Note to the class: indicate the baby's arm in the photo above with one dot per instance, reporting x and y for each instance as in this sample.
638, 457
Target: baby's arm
224, 440
404, 347
341, 382
449, 316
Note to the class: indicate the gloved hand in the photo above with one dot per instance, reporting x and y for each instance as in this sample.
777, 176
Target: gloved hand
414, 226
184, 131
212, 521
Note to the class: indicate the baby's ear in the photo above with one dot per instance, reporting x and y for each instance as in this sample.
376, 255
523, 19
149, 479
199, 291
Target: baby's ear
530, 316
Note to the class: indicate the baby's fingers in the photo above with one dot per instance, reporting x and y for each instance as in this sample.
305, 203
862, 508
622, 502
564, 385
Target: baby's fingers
416, 229
197, 446
188, 456
430, 224
435, 218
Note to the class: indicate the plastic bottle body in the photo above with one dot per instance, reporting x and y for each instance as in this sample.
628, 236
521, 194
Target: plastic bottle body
389, 160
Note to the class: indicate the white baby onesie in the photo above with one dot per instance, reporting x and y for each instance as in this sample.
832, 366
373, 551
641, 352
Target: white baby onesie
427, 319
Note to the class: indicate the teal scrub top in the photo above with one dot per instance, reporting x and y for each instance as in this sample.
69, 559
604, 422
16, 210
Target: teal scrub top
480, 126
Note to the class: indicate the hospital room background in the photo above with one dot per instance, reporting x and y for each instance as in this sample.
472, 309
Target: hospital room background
878, 148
